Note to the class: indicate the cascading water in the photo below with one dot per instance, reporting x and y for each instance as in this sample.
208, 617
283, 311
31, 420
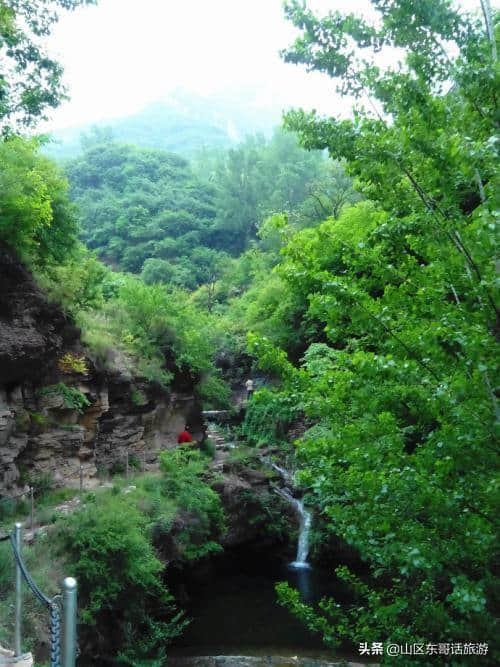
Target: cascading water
303, 543
285, 475
305, 525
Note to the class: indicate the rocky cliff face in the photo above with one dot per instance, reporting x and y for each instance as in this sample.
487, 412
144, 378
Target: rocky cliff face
57, 416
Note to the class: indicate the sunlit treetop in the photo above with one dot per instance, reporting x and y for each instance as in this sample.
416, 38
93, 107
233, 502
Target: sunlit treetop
30, 81
427, 37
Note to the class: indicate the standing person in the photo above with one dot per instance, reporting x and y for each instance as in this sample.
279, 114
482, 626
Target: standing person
249, 386
184, 436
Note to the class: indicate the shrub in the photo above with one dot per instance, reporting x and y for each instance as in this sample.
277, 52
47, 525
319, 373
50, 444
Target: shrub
38, 419
50, 496
117, 468
70, 363
214, 393
208, 448
98, 336
265, 510
138, 398
72, 397
42, 483
102, 471
11, 508
134, 461
37, 218
182, 469
81, 283
267, 417
120, 580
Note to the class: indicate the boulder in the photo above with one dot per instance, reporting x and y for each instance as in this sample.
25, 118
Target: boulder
7, 658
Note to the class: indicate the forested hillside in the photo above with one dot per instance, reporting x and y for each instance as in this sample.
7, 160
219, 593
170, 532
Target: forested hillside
140, 208
182, 123
153, 213
349, 268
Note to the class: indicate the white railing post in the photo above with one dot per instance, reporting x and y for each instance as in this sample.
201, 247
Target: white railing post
69, 622
19, 593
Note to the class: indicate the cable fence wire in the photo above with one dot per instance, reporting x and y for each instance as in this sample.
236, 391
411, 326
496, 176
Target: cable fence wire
24, 503
134, 463
52, 604
9, 498
131, 463
23, 494
132, 466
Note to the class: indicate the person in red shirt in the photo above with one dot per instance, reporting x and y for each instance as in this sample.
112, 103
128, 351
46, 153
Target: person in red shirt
184, 436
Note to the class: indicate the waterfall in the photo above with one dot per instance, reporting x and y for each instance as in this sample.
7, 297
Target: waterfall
305, 525
303, 543
285, 474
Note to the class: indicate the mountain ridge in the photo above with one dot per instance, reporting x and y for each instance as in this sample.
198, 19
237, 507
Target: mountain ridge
180, 122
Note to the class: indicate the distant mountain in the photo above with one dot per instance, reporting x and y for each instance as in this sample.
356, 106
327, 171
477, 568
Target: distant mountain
182, 123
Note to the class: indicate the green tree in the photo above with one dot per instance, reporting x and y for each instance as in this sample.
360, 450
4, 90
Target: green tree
36, 217
80, 283
398, 304
30, 81
326, 195
256, 179
142, 209
239, 189
155, 270
120, 583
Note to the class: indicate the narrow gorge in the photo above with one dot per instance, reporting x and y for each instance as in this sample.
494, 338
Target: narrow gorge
67, 420
249, 333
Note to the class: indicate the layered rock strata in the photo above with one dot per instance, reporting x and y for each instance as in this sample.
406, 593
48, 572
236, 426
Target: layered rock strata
45, 435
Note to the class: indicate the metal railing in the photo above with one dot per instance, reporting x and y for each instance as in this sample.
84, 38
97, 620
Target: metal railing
63, 649
31, 494
131, 467
67, 601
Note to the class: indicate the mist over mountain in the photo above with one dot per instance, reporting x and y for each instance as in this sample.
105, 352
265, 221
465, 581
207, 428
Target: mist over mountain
180, 122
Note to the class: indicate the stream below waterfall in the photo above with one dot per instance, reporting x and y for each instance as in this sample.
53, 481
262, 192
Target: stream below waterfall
235, 612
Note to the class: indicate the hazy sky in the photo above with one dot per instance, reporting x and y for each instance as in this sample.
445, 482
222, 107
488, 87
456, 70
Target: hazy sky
123, 54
